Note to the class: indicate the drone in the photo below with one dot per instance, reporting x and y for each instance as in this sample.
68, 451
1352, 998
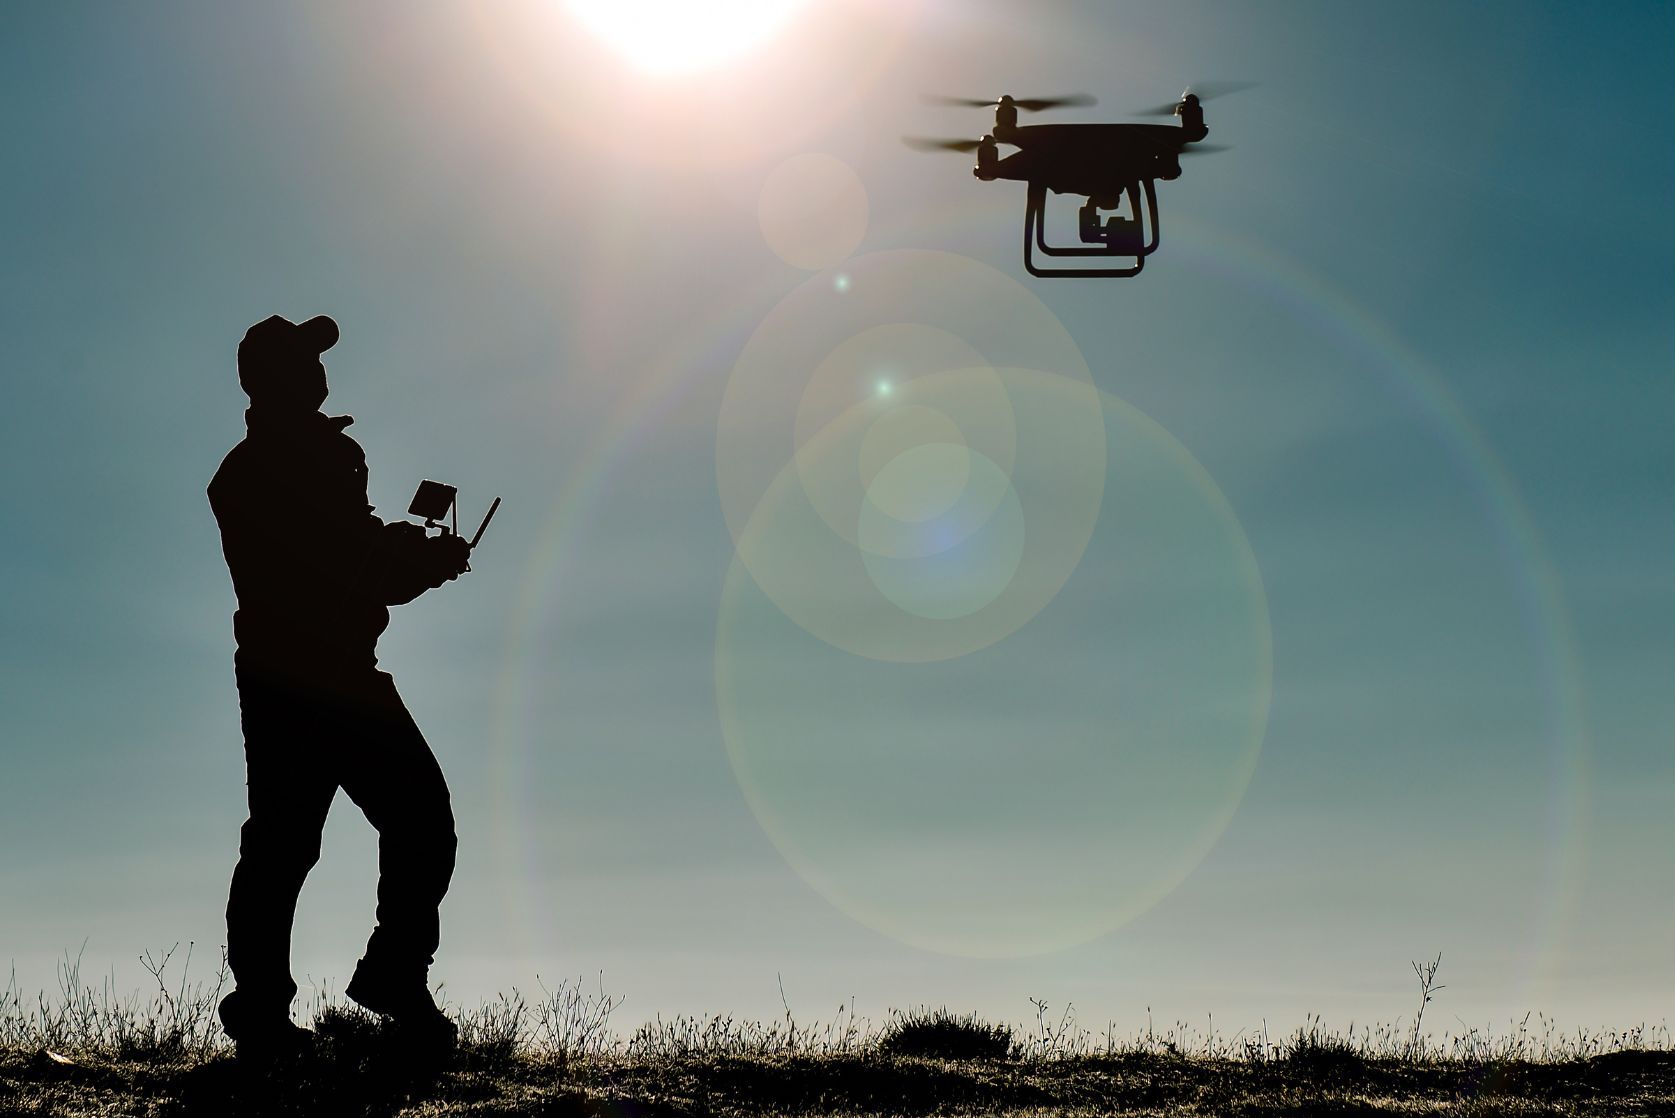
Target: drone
1107, 164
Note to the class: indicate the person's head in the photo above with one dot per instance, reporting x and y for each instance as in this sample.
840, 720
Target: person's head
279, 364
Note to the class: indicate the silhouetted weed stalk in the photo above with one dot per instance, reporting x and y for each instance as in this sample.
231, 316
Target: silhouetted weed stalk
176, 1023
168, 1025
1427, 975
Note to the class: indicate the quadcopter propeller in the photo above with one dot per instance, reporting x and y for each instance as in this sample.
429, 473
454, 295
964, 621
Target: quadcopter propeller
922, 143
1028, 104
1205, 149
1206, 91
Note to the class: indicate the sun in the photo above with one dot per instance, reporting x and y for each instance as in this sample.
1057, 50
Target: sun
672, 37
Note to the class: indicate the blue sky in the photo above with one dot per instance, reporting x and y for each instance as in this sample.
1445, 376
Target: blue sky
1361, 651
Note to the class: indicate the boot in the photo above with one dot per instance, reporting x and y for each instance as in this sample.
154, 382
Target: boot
261, 1030
403, 997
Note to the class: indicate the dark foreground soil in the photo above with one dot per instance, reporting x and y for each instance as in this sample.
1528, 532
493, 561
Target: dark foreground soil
380, 1078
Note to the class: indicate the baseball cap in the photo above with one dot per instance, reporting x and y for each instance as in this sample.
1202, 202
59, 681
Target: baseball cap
273, 349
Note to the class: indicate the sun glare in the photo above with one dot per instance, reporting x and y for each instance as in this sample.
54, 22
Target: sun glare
669, 37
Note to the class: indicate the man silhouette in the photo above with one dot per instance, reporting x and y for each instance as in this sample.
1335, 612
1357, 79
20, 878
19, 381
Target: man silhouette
314, 571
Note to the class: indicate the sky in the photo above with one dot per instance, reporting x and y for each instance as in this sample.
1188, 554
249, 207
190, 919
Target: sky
865, 618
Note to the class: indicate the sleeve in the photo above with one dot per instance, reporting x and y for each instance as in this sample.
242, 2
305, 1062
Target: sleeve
394, 562
406, 562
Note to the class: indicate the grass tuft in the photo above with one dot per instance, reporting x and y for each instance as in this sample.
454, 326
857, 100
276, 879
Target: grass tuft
940, 1034
1315, 1051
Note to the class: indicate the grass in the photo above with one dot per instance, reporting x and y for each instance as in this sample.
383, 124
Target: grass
84, 1050
941, 1035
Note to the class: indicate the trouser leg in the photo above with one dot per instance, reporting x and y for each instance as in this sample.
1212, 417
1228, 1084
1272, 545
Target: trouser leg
289, 795
393, 777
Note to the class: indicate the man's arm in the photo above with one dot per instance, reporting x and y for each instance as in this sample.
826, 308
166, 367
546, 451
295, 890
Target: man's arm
341, 550
407, 562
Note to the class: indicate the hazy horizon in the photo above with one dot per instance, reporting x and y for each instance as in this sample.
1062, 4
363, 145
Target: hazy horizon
1322, 615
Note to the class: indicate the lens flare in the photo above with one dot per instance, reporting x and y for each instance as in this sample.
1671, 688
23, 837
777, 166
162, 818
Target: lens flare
1033, 792
926, 459
813, 211
923, 405
942, 531
807, 432
928, 565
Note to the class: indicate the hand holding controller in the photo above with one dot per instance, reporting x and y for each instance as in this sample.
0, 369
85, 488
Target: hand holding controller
435, 500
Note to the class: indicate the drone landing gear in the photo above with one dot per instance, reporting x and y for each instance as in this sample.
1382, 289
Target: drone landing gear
1116, 236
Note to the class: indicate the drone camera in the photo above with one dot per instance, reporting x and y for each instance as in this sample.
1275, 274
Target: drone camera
1120, 235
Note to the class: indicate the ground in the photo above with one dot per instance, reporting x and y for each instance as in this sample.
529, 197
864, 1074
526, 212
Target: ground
86, 1052
363, 1072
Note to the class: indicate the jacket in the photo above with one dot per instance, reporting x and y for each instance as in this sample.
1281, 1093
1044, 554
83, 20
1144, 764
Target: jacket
314, 570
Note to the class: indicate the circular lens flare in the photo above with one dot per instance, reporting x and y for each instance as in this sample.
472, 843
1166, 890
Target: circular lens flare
813, 211
924, 404
951, 565
937, 468
933, 561
892, 329
1035, 792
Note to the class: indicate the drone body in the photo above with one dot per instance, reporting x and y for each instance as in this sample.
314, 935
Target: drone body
1111, 165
